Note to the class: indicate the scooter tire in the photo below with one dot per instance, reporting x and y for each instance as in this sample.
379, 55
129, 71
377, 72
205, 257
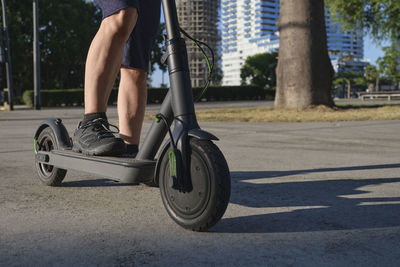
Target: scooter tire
206, 203
48, 174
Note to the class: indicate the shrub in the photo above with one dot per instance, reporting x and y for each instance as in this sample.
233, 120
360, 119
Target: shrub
75, 97
56, 97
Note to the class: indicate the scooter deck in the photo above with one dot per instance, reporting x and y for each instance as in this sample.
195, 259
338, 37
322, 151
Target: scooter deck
118, 160
123, 169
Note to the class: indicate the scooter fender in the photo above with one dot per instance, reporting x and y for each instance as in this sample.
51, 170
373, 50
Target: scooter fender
61, 133
194, 133
202, 135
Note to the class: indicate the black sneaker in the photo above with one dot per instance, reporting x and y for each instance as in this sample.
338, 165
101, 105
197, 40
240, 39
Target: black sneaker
131, 151
96, 138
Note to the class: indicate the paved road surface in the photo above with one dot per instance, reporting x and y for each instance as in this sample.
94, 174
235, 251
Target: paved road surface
303, 194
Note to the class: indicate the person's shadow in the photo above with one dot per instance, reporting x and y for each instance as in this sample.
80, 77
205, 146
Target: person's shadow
312, 205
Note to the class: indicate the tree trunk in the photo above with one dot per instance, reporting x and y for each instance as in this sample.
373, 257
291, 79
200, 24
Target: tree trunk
304, 72
348, 89
371, 88
377, 85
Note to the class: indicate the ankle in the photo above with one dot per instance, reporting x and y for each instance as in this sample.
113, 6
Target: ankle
92, 116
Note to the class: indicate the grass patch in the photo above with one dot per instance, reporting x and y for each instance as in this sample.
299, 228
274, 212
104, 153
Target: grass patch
318, 113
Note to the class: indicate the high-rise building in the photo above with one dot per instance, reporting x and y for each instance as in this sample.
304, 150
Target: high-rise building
346, 50
249, 27
199, 18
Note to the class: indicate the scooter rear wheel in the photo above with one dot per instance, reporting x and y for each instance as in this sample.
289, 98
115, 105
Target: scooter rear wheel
204, 206
48, 174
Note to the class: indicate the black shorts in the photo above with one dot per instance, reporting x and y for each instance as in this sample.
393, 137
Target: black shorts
141, 41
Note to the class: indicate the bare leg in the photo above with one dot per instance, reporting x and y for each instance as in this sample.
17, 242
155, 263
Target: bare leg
132, 96
105, 57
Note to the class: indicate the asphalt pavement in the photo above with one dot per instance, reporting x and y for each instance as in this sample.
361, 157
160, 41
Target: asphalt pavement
303, 194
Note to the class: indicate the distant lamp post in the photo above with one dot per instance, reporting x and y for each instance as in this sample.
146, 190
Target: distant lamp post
2, 55
7, 57
36, 55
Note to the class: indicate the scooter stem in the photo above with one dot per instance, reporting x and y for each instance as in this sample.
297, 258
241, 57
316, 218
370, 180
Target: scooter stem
179, 101
178, 67
181, 90
178, 105
171, 19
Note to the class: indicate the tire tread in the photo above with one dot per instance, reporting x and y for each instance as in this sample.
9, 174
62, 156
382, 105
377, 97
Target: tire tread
57, 174
219, 200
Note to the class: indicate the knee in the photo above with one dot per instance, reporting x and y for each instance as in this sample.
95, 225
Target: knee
121, 24
136, 75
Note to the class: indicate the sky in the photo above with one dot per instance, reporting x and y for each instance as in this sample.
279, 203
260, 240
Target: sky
372, 50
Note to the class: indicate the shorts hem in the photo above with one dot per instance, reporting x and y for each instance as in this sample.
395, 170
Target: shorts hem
113, 11
135, 67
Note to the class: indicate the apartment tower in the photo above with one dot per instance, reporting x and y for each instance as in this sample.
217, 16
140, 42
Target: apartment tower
199, 18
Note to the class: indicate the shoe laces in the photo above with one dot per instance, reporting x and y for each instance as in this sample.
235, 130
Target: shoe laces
101, 127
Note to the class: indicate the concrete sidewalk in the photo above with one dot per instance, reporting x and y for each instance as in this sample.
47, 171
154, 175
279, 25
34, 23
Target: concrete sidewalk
303, 194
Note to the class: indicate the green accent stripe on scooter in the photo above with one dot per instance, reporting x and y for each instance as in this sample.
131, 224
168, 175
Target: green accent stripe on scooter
35, 145
172, 163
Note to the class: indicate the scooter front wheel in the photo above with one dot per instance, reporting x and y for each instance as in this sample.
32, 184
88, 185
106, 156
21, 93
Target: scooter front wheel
205, 204
48, 174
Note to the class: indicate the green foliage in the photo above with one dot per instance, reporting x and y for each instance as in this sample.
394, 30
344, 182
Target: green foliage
74, 97
260, 70
66, 30
381, 18
224, 93
389, 64
216, 76
371, 73
349, 77
351, 80
158, 52
55, 97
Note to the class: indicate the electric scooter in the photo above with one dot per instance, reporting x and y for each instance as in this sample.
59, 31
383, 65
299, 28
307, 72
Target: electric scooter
190, 170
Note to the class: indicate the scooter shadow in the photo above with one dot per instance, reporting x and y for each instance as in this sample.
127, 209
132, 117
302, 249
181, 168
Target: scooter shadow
298, 205
94, 183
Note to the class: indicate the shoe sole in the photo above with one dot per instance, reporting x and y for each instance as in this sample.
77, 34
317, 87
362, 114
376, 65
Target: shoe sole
105, 150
